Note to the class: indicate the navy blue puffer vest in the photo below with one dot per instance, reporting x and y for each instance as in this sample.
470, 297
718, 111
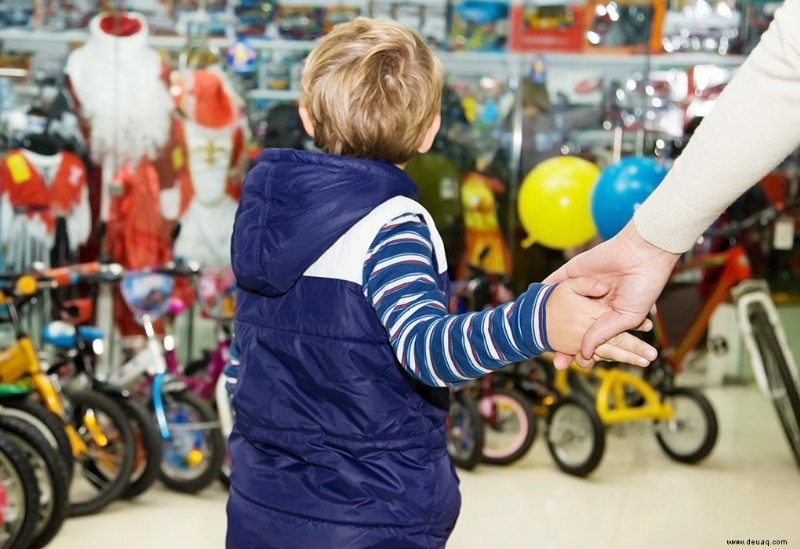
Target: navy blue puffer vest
334, 444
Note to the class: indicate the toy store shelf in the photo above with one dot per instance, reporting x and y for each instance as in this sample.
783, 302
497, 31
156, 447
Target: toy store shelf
461, 62
637, 61
275, 95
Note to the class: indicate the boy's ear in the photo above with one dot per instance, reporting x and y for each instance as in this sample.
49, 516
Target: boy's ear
427, 141
305, 117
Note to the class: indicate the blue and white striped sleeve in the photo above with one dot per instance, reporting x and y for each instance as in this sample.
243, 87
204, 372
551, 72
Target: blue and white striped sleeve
438, 348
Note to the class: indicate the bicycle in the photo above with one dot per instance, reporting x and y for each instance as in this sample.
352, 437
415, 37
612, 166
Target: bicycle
464, 430
76, 346
509, 424
624, 397
193, 444
772, 362
19, 496
215, 292
98, 433
574, 433
51, 477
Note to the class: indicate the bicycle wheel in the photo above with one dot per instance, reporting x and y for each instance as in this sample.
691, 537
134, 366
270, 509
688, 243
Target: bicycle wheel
19, 496
575, 436
509, 426
147, 441
51, 476
781, 383
691, 434
49, 425
464, 431
104, 470
193, 456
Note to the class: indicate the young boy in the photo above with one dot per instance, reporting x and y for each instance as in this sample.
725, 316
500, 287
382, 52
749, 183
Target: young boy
345, 343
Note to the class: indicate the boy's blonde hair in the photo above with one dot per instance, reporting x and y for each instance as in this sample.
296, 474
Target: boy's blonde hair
372, 89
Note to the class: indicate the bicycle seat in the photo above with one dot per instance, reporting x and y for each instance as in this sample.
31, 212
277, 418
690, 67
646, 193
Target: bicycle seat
63, 335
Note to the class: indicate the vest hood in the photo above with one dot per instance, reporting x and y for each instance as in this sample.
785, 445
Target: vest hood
296, 204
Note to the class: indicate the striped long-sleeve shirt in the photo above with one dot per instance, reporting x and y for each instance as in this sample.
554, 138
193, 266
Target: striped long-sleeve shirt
438, 348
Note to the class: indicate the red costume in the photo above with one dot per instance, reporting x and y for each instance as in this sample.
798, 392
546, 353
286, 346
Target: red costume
120, 89
35, 191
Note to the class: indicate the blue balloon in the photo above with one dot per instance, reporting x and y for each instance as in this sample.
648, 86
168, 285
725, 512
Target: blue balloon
620, 189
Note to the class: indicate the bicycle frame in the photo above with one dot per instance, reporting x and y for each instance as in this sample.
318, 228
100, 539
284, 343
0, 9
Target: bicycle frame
735, 269
611, 402
21, 361
746, 295
204, 386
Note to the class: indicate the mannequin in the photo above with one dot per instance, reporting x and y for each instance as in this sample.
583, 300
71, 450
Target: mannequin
119, 87
213, 134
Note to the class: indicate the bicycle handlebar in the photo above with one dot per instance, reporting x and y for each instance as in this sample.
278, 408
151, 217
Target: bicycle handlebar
30, 283
762, 218
184, 269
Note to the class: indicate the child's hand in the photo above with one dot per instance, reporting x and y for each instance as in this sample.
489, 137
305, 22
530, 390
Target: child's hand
571, 310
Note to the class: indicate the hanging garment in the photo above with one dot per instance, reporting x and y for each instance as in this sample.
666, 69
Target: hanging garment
208, 208
35, 192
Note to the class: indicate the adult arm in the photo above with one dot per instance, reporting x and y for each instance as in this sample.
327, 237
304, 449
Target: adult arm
754, 126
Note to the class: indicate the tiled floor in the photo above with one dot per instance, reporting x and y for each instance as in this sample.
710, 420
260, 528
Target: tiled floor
637, 498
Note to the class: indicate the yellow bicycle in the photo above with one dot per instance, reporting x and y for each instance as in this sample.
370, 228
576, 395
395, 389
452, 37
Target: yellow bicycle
685, 422
99, 436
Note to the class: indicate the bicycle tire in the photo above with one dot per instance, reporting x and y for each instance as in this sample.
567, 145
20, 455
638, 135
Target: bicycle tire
51, 476
779, 378
173, 471
15, 468
521, 441
89, 466
148, 448
464, 431
48, 423
664, 429
558, 434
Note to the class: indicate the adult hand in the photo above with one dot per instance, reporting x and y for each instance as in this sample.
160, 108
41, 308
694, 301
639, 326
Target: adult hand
635, 271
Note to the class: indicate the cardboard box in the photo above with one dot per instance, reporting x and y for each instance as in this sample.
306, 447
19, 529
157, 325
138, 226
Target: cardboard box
547, 27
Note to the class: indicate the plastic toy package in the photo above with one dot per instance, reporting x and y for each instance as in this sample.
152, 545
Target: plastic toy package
214, 21
427, 17
701, 26
62, 14
294, 21
544, 25
253, 17
704, 84
478, 25
624, 26
16, 13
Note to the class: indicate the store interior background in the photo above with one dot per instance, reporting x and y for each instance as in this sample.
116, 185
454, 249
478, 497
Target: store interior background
526, 81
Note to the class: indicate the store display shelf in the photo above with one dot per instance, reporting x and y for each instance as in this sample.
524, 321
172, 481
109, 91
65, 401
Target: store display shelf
474, 62
275, 95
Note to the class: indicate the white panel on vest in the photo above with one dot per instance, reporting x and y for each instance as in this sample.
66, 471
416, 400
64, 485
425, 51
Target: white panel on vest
345, 259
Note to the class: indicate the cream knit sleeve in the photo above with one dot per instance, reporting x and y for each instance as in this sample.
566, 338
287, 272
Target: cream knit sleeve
754, 126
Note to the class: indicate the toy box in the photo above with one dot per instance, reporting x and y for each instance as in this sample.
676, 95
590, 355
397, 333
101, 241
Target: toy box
547, 25
624, 26
478, 25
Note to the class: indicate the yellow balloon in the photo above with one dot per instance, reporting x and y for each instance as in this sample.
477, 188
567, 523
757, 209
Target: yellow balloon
555, 202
